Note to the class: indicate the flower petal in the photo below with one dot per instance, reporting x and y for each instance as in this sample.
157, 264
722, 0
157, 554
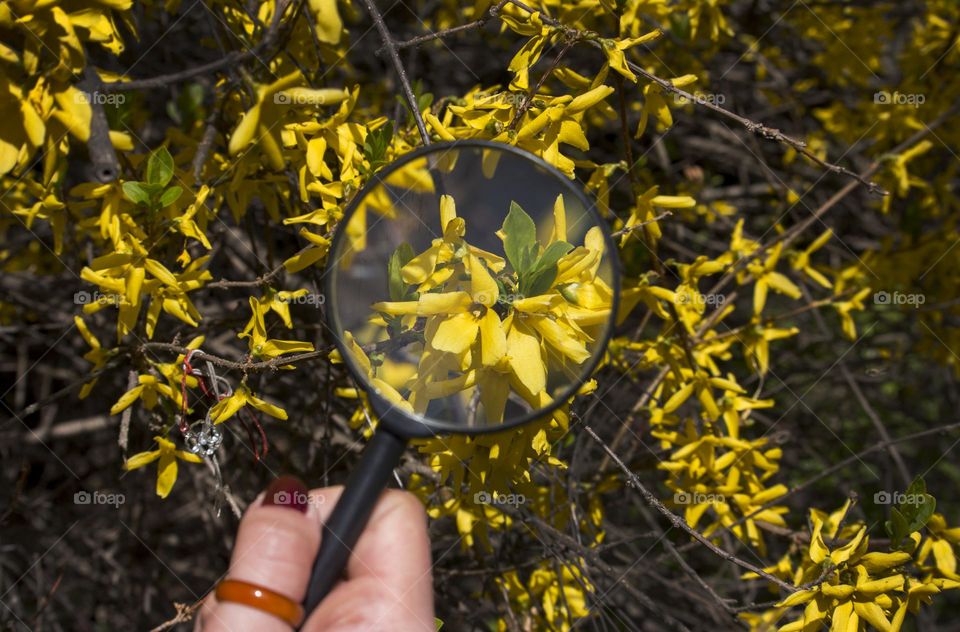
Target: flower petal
526, 358
493, 340
456, 334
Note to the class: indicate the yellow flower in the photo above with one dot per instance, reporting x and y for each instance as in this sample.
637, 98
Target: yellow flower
844, 310
645, 210
940, 545
168, 454
97, 355
149, 390
187, 223
256, 331
260, 127
801, 261
228, 407
488, 327
767, 277
614, 50
123, 276
386, 388
756, 342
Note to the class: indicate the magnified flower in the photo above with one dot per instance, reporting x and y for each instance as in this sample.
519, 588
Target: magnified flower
489, 327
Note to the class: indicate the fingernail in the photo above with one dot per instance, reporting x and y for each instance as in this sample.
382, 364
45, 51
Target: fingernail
287, 491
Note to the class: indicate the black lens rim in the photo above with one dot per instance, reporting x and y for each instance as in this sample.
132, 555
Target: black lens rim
411, 425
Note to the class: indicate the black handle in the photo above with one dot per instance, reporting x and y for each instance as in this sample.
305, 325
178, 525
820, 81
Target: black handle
349, 517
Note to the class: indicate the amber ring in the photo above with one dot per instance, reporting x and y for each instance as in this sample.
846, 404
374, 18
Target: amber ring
262, 599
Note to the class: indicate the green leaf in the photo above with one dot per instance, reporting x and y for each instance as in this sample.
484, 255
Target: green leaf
160, 167
400, 257
423, 100
917, 487
170, 196
538, 281
680, 24
193, 95
174, 112
502, 291
136, 192
552, 254
153, 190
896, 527
376, 144
922, 516
519, 239
438, 622
185, 110
541, 275
912, 513
918, 505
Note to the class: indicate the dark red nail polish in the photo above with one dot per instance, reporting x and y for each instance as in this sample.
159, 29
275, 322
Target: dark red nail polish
287, 491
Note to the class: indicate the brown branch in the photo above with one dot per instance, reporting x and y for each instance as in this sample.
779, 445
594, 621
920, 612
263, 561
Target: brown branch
494, 12
71, 428
260, 281
408, 95
625, 231
689, 570
66, 390
532, 93
106, 167
205, 144
429, 37
247, 365
764, 131
185, 613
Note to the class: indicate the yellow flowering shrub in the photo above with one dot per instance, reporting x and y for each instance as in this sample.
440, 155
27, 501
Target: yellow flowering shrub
781, 187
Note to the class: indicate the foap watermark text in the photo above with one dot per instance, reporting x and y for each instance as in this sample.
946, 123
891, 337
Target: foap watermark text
98, 498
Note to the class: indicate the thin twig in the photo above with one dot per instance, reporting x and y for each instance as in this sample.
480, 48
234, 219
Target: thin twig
532, 93
630, 229
689, 570
493, 13
260, 281
66, 390
205, 144
634, 481
877, 423
185, 613
273, 363
408, 95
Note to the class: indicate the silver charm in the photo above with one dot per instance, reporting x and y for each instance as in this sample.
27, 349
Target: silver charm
206, 441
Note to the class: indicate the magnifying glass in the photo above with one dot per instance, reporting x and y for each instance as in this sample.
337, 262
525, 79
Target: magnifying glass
471, 288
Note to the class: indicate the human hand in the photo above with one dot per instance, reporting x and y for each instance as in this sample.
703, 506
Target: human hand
387, 583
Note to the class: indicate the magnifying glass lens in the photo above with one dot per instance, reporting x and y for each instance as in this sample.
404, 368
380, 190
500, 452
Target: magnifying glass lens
471, 288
